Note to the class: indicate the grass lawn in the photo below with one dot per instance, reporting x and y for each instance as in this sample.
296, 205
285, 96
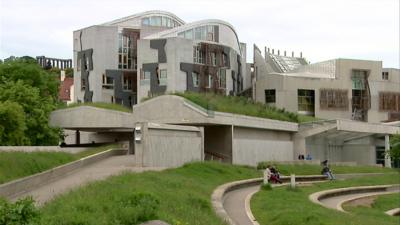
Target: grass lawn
241, 105
183, 194
380, 205
287, 169
14, 165
102, 105
292, 207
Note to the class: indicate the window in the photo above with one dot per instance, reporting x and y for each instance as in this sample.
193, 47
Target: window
210, 81
358, 79
270, 96
155, 21
83, 84
146, 21
213, 59
224, 59
127, 83
108, 82
195, 78
306, 101
385, 75
189, 34
389, 101
198, 55
163, 77
164, 21
333, 99
147, 75
222, 78
126, 58
210, 33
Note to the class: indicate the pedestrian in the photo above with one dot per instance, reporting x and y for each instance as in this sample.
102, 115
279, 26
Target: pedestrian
326, 171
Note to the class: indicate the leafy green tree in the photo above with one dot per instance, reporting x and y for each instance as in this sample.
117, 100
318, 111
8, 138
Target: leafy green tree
36, 108
31, 74
35, 90
395, 147
12, 124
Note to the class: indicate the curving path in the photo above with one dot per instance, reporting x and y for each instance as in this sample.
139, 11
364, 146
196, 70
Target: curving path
338, 198
97, 171
237, 202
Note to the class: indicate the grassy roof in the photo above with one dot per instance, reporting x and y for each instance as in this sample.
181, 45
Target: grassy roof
243, 106
102, 105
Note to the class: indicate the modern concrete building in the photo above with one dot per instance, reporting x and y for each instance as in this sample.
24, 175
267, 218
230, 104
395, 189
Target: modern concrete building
340, 88
183, 131
153, 53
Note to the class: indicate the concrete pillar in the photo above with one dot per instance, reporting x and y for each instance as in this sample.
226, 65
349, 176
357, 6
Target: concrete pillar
387, 150
77, 137
299, 146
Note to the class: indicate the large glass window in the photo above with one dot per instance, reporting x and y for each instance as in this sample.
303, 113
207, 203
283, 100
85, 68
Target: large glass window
306, 102
210, 81
163, 77
195, 78
126, 59
127, 83
222, 78
108, 82
198, 55
270, 96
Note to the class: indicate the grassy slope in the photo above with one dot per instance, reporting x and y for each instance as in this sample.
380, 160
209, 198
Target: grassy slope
316, 169
282, 206
102, 105
241, 105
184, 195
14, 165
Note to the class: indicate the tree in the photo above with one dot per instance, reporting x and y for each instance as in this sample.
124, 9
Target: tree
12, 124
395, 147
25, 83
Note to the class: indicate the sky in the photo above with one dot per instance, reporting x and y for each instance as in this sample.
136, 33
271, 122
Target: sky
321, 29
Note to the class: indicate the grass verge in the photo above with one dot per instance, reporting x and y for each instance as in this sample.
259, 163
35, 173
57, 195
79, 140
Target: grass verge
281, 206
308, 169
183, 195
14, 165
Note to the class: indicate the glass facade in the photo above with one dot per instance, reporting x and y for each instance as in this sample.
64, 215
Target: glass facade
205, 33
306, 101
126, 56
160, 21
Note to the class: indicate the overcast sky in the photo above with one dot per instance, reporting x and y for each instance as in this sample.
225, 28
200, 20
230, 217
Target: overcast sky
321, 29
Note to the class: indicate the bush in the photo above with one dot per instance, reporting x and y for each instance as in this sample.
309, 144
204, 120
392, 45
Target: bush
19, 213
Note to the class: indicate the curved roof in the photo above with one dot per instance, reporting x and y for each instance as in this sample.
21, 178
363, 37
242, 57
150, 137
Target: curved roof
174, 31
144, 14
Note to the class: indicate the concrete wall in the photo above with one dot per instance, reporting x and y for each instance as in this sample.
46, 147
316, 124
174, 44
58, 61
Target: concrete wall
362, 151
104, 42
251, 146
168, 145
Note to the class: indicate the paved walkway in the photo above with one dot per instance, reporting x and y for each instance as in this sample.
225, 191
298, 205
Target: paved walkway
234, 204
96, 171
335, 201
235, 201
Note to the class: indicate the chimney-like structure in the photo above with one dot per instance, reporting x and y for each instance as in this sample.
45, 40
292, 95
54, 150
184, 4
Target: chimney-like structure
278, 52
284, 53
293, 54
273, 52
301, 54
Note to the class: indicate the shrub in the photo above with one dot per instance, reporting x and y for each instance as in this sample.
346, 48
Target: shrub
266, 187
22, 212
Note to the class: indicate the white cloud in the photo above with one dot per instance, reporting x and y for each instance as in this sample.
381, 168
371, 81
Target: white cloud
322, 29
